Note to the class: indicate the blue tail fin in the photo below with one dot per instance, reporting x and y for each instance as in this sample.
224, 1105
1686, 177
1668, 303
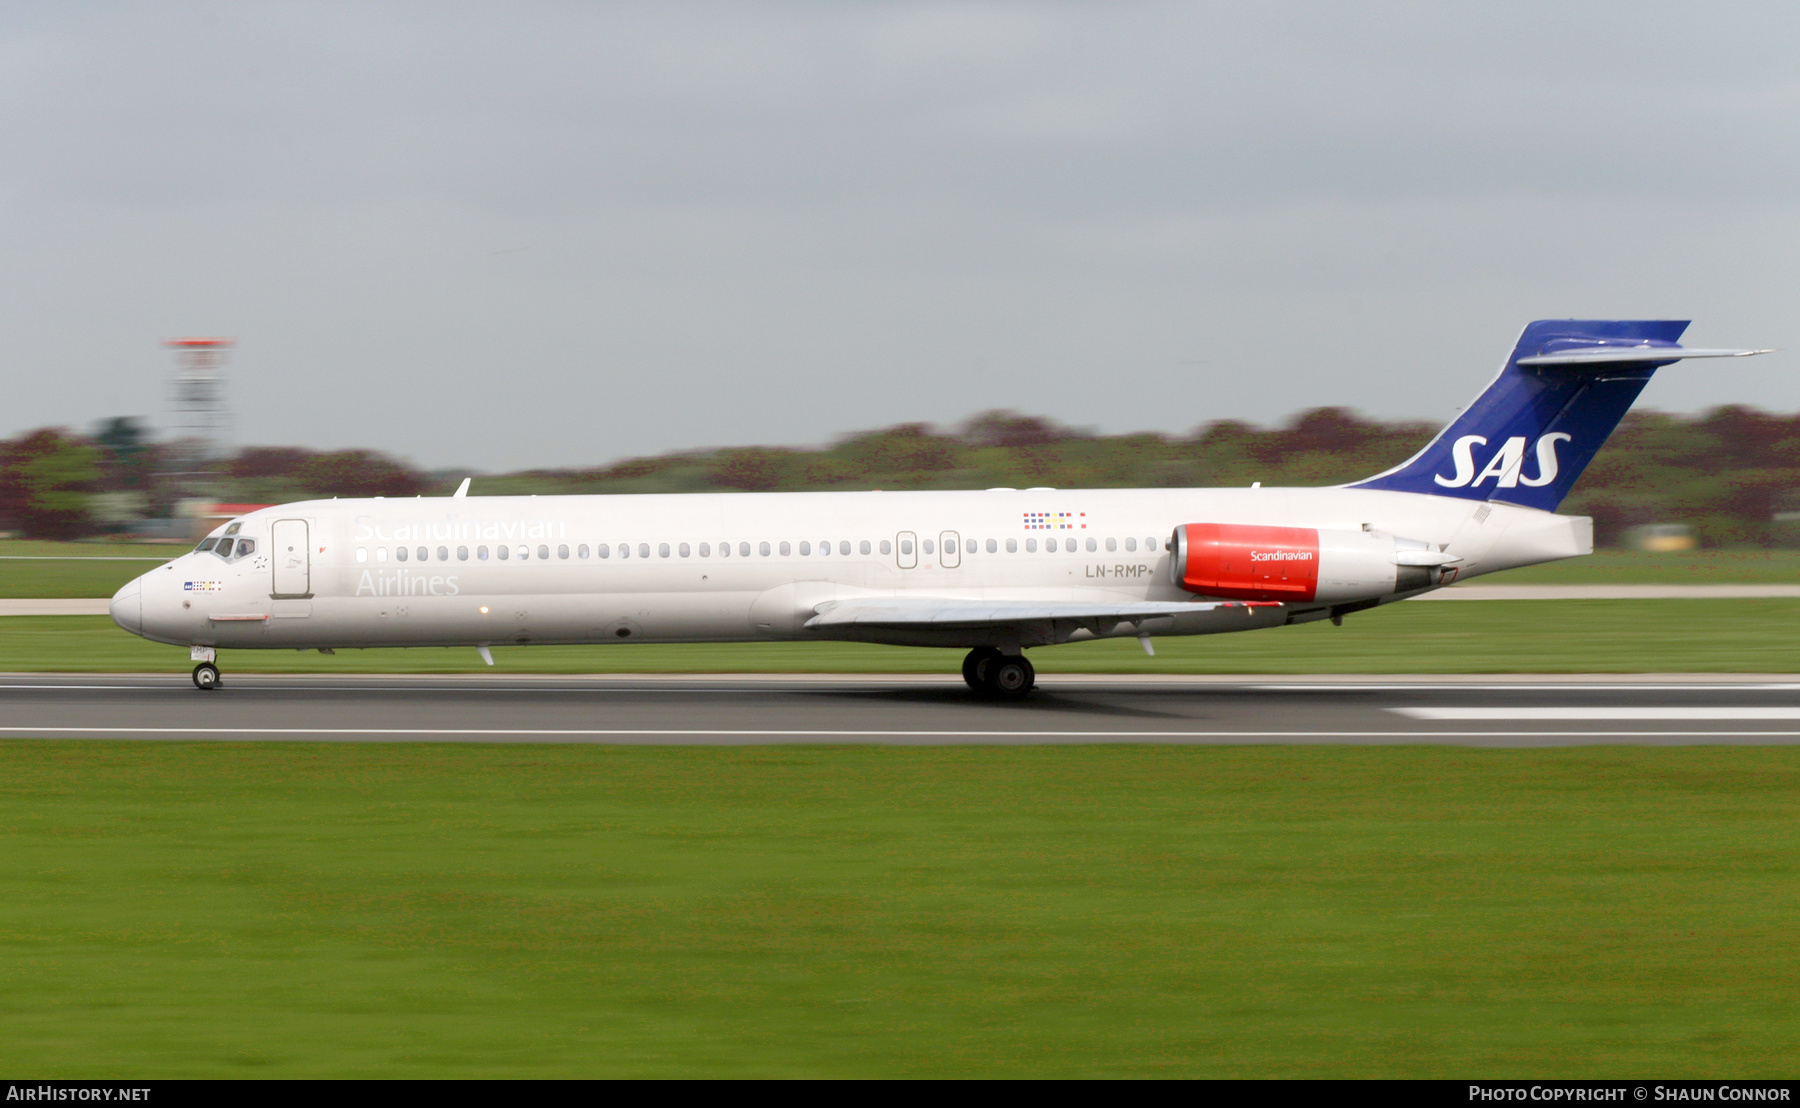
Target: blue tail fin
1530, 434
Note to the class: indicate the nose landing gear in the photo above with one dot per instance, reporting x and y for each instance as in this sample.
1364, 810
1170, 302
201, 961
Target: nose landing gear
206, 674
1005, 676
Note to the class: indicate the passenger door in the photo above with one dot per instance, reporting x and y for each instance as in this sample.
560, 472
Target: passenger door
288, 556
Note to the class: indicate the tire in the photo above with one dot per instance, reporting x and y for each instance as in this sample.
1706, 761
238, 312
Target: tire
206, 676
975, 667
1010, 677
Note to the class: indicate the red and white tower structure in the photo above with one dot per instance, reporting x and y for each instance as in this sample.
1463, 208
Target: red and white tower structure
202, 422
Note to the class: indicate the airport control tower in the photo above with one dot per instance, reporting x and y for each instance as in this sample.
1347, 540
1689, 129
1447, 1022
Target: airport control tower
202, 416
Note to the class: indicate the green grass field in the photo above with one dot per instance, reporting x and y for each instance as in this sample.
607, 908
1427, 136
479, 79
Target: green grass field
203, 910
93, 577
1633, 567
1508, 636
81, 569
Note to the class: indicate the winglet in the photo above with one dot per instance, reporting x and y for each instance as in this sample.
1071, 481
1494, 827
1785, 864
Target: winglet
462, 490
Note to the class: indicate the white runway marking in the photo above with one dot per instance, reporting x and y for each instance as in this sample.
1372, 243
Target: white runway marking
1746, 712
1540, 687
212, 732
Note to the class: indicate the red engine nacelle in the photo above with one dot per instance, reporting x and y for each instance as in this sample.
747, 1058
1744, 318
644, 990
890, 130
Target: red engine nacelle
1299, 564
1247, 563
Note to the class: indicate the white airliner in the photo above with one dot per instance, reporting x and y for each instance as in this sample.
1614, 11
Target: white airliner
997, 571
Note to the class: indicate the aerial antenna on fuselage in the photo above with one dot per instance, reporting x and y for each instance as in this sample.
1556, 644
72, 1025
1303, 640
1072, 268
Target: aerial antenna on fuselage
462, 489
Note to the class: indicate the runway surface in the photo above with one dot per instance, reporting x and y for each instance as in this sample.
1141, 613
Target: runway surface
902, 710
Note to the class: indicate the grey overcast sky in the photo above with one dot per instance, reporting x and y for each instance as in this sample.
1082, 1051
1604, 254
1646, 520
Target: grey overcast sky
502, 235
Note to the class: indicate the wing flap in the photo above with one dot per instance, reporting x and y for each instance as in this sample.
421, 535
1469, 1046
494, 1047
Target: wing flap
938, 611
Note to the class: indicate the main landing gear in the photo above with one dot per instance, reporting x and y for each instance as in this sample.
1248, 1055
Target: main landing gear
991, 673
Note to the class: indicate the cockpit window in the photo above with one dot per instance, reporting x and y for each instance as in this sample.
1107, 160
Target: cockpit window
205, 545
233, 529
246, 547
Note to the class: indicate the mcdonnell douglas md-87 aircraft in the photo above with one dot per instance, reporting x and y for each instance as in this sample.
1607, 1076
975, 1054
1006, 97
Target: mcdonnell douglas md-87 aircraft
995, 572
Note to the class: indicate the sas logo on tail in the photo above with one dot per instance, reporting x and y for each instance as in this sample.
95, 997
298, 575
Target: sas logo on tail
1504, 467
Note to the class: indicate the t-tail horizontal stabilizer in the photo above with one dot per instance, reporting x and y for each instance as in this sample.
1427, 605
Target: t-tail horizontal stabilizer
1528, 437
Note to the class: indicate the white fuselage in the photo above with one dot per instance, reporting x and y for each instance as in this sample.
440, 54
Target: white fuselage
735, 567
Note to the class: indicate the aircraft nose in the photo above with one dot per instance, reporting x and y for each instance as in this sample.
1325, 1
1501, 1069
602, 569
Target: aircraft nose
128, 606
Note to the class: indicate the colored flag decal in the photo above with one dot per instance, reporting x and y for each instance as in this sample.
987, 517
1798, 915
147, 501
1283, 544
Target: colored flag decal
1055, 521
203, 586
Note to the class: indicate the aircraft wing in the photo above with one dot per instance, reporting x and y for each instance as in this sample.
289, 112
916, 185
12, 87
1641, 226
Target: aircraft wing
939, 611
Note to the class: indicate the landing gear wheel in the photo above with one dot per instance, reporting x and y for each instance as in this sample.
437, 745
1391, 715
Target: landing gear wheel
1010, 677
975, 667
206, 676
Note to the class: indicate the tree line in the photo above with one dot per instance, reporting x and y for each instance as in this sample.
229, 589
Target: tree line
1726, 472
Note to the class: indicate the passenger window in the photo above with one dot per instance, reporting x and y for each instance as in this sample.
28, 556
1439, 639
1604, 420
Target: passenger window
662, 550
624, 550
462, 553
887, 547
929, 546
763, 549
400, 553
724, 550
424, 554
1031, 546
683, 550
543, 551
993, 547
1131, 544
603, 550
786, 549
362, 553
524, 553
1092, 546
1152, 544
743, 550
824, 548
504, 552
563, 551
481, 553
643, 550
1112, 545
969, 547
906, 546
1012, 546
706, 550
581, 551
443, 553
381, 553
864, 546
843, 546
805, 549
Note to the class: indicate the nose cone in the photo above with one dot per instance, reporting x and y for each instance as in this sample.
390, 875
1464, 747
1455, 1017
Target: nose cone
128, 607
